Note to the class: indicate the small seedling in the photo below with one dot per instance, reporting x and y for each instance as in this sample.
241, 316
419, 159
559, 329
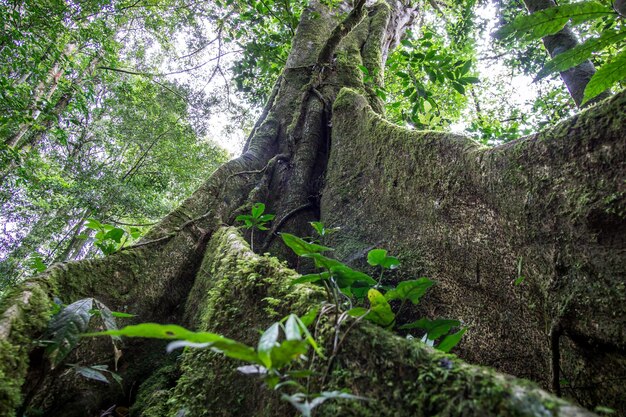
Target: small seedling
255, 220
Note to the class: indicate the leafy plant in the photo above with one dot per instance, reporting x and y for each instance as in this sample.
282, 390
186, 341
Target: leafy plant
550, 21
281, 346
66, 326
108, 238
255, 220
346, 287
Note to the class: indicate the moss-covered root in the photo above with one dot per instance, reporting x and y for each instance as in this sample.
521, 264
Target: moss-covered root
28, 314
404, 377
238, 293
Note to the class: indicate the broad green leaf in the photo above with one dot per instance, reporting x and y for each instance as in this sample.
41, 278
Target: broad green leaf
36, 263
451, 341
346, 276
267, 342
606, 76
114, 234
381, 312
434, 328
66, 327
549, 21
257, 210
378, 257
301, 247
410, 290
581, 53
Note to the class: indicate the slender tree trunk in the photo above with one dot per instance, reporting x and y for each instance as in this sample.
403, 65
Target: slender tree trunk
451, 209
575, 78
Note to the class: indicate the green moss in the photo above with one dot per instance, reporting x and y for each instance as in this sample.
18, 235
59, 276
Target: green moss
26, 312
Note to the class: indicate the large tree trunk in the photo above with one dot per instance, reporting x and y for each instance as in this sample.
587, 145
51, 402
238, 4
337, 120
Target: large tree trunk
460, 213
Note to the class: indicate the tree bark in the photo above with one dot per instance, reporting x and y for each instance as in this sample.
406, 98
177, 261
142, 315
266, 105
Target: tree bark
461, 213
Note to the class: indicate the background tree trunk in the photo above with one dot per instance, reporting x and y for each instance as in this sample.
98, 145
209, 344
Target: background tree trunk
575, 78
458, 212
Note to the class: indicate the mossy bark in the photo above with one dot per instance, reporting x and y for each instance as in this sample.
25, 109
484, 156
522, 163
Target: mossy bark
461, 213
468, 217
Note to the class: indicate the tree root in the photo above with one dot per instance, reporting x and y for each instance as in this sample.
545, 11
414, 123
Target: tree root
279, 224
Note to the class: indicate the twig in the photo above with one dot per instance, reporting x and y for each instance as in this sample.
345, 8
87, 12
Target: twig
171, 234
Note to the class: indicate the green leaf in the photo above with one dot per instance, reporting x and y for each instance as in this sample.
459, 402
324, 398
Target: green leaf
311, 278
410, 290
257, 210
287, 351
309, 317
292, 329
359, 289
378, 257
458, 87
581, 53
319, 227
451, 341
357, 312
301, 247
162, 331
36, 263
381, 312
346, 276
606, 76
114, 234
364, 69
66, 327
93, 224
307, 335
434, 328
243, 217
267, 342
549, 21
267, 217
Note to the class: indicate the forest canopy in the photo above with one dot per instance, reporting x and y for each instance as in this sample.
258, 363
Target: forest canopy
110, 109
